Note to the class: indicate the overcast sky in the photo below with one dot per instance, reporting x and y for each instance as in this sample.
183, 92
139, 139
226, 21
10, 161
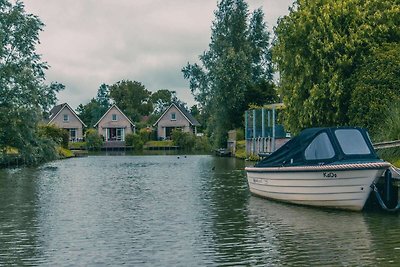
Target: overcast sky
90, 42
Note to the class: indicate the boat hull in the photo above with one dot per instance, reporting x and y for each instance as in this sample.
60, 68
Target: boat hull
345, 186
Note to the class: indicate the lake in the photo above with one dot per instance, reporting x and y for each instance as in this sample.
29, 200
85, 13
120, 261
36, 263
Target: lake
174, 210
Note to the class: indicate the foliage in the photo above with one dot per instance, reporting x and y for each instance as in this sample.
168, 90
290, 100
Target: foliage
202, 144
241, 149
54, 133
132, 98
91, 112
397, 163
163, 143
93, 140
145, 134
234, 70
376, 89
239, 134
134, 140
390, 154
320, 49
162, 99
23, 95
77, 145
182, 139
390, 129
64, 153
103, 96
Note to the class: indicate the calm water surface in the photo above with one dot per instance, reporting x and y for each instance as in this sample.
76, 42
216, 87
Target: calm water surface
170, 211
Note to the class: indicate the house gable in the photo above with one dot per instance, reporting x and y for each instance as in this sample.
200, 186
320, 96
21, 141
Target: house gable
62, 114
183, 112
109, 118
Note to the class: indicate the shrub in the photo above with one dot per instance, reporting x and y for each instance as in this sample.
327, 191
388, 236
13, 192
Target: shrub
241, 149
202, 144
239, 134
77, 145
93, 140
145, 134
184, 140
54, 133
134, 140
389, 129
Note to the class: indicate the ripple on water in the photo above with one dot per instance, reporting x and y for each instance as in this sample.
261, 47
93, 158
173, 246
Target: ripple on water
165, 211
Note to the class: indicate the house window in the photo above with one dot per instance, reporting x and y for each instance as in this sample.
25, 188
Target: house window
173, 116
66, 117
114, 117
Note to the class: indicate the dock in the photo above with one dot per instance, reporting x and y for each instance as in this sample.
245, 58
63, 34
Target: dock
387, 144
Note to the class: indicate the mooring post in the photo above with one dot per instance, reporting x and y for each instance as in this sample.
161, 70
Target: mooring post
254, 131
388, 185
273, 129
263, 128
246, 113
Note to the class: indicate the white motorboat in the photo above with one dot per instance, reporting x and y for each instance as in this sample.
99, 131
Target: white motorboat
326, 167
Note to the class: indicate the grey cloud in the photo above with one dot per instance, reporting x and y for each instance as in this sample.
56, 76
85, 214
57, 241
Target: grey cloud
89, 42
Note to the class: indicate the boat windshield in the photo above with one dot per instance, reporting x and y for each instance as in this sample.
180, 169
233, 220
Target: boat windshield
320, 148
352, 142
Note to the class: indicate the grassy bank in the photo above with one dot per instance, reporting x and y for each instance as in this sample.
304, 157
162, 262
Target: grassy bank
64, 153
391, 155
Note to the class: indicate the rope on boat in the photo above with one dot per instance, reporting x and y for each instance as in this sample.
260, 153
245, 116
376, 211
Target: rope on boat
379, 198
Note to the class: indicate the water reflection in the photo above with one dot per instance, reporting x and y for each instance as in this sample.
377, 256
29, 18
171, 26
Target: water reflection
174, 211
19, 226
224, 198
309, 236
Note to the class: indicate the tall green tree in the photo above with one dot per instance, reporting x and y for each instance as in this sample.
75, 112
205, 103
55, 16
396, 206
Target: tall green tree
236, 64
132, 98
91, 112
318, 49
376, 89
23, 95
103, 96
162, 99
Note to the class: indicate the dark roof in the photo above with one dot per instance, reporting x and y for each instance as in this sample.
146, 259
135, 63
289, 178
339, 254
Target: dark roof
55, 110
320, 146
188, 115
192, 120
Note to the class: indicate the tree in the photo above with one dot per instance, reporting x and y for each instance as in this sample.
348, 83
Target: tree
103, 96
162, 99
132, 98
236, 64
23, 95
376, 89
93, 140
318, 49
91, 112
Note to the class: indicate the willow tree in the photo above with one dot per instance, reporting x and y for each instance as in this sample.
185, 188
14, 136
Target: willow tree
235, 65
23, 95
320, 47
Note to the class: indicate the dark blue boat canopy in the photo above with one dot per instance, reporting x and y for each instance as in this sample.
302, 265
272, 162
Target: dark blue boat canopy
320, 146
